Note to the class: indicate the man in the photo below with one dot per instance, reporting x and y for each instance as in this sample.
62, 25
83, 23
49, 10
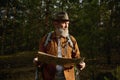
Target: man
60, 46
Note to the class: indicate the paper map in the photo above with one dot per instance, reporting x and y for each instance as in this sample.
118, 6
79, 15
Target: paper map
47, 58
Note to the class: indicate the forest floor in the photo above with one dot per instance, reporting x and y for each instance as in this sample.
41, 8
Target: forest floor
20, 67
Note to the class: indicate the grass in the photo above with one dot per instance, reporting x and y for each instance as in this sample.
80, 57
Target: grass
17, 66
18, 74
20, 66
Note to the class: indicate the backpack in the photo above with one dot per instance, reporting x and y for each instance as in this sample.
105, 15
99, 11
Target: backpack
48, 39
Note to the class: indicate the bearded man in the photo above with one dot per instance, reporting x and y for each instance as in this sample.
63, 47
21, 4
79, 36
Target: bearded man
59, 46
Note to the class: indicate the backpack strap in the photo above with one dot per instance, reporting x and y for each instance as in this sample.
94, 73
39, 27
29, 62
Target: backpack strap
70, 41
48, 38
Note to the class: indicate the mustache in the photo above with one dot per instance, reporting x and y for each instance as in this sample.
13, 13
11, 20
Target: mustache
62, 32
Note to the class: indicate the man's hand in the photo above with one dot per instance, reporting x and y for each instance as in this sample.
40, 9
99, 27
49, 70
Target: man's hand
35, 60
81, 65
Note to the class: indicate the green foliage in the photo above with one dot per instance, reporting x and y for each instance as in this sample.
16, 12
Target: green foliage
116, 72
94, 24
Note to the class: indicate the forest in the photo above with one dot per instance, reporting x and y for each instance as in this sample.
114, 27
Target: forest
94, 23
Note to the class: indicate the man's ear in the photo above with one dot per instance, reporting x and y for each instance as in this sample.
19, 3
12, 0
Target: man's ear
55, 23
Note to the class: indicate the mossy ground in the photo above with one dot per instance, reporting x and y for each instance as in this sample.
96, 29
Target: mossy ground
20, 67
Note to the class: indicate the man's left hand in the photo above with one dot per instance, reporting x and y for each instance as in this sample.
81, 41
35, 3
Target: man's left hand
81, 65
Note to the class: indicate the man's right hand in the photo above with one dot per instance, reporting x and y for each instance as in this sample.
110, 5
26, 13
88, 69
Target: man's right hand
35, 60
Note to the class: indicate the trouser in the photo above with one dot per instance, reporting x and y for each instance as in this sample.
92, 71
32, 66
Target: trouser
60, 76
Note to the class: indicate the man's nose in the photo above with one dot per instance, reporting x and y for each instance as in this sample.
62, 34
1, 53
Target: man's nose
66, 25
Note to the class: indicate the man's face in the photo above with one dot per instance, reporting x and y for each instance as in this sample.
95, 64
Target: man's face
62, 24
61, 28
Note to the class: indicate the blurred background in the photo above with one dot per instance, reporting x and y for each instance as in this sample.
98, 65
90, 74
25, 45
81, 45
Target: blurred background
94, 23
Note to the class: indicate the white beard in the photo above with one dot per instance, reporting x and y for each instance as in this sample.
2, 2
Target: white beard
62, 32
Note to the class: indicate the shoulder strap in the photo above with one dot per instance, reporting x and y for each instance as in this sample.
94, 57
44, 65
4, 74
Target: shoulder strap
70, 41
48, 38
49, 35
